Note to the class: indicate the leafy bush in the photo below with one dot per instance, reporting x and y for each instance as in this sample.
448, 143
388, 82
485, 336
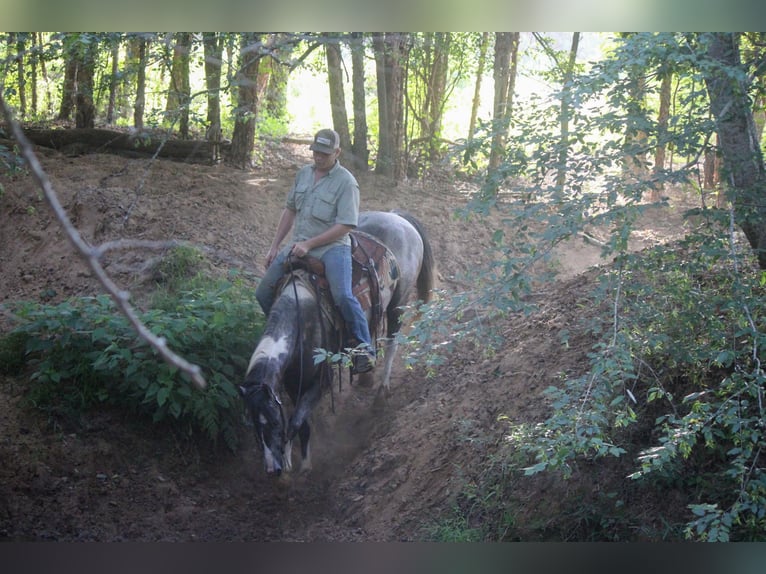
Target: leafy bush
83, 353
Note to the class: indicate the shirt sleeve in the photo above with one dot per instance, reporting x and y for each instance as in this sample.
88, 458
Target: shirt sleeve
348, 203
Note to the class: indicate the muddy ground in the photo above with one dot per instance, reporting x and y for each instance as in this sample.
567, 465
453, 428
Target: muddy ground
380, 473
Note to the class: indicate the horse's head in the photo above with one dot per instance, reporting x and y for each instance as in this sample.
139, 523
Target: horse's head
270, 426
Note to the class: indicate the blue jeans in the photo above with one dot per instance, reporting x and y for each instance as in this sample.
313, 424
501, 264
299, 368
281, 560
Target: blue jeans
337, 263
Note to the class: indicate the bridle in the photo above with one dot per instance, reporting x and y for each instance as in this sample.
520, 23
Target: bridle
256, 388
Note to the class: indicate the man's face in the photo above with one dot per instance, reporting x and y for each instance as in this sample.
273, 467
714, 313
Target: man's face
325, 161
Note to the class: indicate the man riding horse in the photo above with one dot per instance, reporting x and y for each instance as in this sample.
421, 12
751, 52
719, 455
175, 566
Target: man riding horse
322, 208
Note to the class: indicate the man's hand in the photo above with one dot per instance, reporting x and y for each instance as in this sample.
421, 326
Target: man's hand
300, 249
270, 257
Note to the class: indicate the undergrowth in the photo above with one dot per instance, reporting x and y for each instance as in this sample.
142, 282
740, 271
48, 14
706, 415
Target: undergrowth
666, 426
675, 384
82, 353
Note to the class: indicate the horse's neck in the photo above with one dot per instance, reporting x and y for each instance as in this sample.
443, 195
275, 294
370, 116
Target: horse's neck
288, 325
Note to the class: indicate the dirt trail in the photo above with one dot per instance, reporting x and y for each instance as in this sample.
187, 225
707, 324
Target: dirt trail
381, 474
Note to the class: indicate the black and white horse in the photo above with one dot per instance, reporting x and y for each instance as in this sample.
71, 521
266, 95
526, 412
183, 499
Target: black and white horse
283, 359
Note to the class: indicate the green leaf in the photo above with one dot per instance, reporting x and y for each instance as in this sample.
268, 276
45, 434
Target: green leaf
162, 395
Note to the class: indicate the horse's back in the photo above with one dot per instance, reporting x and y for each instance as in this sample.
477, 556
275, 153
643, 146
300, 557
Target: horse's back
396, 233
406, 239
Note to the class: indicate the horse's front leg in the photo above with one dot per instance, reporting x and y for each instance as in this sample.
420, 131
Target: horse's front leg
299, 422
304, 433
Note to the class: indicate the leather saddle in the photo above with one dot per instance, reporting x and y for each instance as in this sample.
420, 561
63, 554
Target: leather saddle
370, 261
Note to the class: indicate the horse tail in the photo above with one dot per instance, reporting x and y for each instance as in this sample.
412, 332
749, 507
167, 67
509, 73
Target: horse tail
425, 282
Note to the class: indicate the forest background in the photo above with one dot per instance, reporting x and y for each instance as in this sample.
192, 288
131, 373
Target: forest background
675, 380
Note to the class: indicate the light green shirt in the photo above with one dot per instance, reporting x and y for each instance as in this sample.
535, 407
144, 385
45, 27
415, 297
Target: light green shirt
333, 199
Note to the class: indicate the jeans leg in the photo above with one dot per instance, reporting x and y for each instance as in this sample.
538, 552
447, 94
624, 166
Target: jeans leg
337, 263
265, 293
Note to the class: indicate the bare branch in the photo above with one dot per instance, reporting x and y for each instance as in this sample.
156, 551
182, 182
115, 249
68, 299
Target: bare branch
92, 254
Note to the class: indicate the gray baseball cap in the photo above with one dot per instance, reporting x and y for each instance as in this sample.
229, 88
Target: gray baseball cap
326, 141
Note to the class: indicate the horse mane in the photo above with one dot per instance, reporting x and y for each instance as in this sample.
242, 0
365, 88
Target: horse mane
425, 281
283, 309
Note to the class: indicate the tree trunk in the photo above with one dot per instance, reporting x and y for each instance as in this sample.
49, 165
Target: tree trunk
506, 57
712, 172
662, 135
437, 93
243, 138
85, 108
359, 151
21, 82
476, 102
337, 93
275, 101
70, 80
113, 81
759, 102
742, 169
140, 103
46, 81
635, 163
35, 56
179, 91
83, 141
390, 52
565, 113
10, 50
213, 50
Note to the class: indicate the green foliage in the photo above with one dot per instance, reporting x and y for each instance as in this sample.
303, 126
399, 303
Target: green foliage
12, 347
178, 267
11, 162
83, 353
675, 380
682, 361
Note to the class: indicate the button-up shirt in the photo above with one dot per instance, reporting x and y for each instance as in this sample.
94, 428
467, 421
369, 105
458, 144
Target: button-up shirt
318, 206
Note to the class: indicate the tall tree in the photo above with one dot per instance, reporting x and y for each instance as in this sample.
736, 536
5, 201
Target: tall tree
390, 49
332, 44
44, 72
21, 80
69, 81
139, 50
179, 91
427, 92
663, 118
275, 98
359, 150
504, 74
35, 57
566, 110
636, 137
85, 53
743, 169
213, 50
476, 101
246, 80
114, 78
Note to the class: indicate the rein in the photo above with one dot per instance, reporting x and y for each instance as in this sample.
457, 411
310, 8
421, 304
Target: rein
300, 328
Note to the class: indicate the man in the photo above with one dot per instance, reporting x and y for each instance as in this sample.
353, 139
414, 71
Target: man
321, 208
